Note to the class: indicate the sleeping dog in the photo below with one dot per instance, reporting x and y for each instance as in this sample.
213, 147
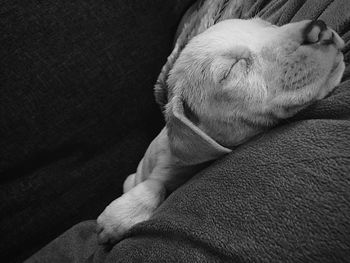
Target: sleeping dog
231, 82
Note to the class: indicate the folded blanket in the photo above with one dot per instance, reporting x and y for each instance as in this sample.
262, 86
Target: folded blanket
282, 197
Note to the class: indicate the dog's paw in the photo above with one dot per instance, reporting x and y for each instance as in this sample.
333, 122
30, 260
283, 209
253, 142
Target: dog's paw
112, 224
119, 217
135, 206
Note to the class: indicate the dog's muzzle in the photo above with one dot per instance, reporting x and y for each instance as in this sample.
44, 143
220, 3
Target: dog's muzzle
317, 32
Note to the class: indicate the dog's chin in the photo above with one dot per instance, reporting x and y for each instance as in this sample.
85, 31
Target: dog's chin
334, 77
337, 70
338, 67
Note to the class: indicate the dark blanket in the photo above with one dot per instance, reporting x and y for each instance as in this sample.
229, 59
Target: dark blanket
282, 197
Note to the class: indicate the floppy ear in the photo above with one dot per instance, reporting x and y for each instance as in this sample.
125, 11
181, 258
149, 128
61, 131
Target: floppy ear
191, 24
187, 142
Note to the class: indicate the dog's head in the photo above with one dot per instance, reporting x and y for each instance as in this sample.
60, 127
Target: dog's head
240, 77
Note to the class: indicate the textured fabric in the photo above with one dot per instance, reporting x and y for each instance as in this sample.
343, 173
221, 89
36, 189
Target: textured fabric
282, 197
76, 108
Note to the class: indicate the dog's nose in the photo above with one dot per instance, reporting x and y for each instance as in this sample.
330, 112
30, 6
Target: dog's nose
317, 32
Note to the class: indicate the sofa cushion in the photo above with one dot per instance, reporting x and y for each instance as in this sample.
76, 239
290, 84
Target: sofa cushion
76, 108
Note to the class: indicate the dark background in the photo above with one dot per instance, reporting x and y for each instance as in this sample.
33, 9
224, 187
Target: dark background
77, 108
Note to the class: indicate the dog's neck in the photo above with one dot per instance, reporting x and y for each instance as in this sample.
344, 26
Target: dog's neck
162, 163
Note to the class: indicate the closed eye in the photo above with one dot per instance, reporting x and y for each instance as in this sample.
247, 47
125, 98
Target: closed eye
227, 73
243, 62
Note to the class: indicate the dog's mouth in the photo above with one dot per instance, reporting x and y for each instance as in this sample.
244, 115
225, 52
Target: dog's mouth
337, 63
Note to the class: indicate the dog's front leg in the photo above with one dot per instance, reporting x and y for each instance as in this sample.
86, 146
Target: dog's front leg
144, 191
134, 206
162, 170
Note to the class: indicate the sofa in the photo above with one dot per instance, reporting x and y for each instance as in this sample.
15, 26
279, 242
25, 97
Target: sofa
78, 112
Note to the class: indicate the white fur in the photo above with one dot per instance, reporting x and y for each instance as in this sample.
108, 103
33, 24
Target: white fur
238, 78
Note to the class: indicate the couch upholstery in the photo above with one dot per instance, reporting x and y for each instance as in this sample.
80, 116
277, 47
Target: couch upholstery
77, 108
